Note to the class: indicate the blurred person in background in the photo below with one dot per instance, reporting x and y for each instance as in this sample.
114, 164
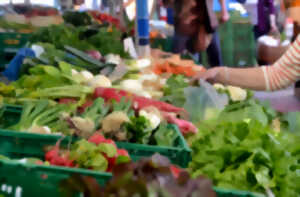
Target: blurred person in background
196, 28
263, 16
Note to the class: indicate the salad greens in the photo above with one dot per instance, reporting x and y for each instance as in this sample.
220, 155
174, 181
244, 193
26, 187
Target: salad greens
247, 155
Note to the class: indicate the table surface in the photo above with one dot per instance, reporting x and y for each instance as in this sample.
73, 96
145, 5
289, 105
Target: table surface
283, 100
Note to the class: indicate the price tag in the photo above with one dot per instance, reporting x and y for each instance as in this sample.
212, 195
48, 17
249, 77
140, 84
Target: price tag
129, 47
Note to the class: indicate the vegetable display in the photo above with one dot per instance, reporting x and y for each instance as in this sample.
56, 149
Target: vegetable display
105, 40
116, 120
83, 84
96, 153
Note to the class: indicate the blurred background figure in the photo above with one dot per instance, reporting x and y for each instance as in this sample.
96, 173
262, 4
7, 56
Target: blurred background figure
186, 37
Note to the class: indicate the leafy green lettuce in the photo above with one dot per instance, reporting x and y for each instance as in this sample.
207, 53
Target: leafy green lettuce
247, 155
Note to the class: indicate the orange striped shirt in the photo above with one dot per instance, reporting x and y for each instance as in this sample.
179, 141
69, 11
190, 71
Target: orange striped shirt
286, 70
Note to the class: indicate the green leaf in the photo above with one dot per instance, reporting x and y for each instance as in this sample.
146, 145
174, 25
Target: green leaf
165, 136
65, 68
98, 162
52, 71
122, 159
109, 149
140, 129
174, 90
293, 119
262, 177
2, 157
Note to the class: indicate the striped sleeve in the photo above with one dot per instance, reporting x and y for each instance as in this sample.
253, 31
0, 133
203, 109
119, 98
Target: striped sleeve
286, 70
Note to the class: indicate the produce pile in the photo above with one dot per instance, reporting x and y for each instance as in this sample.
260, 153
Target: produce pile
115, 120
83, 84
96, 153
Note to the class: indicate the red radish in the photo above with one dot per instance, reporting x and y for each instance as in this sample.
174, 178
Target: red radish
184, 126
109, 94
54, 157
97, 138
94, 54
175, 171
39, 163
111, 162
52, 153
67, 100
138, 101
110, 141
142, 102
122, 152
88, 103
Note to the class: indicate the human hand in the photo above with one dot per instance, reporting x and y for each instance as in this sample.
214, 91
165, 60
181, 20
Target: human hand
225, 16
210, 75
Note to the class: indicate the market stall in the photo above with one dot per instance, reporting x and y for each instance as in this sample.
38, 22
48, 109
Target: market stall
81, 115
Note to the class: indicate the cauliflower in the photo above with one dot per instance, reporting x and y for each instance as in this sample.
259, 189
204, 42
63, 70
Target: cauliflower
153, 115
114, 121
113, 59
100, 81
218, 86
86, 75
236, 93
130, 85
85, 125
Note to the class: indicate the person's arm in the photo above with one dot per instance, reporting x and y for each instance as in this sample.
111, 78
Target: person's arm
250, 78
283, 73
224, 12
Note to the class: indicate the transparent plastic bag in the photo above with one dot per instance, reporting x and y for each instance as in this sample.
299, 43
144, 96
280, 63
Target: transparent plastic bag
204, 102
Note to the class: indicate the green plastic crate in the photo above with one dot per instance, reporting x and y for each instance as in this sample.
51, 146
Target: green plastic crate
10, 43
235, 193
29, 180
22, 143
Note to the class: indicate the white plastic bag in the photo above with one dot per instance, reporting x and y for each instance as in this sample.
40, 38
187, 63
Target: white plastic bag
204, 102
